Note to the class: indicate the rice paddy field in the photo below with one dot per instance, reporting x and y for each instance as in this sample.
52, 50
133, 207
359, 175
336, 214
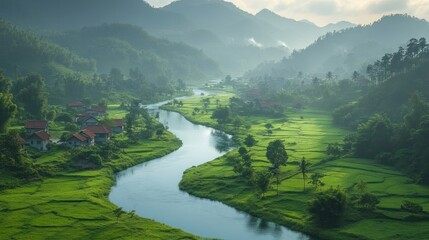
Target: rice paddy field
74, 204
306, 133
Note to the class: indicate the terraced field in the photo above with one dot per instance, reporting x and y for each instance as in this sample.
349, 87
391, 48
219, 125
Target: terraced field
306, 133
74, 204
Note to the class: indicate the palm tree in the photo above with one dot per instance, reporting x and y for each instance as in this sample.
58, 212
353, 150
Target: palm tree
303, 167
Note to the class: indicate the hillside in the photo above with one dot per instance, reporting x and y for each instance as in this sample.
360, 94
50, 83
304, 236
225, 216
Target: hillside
344, 51
61, 15
22, 52
129, 47
237, 40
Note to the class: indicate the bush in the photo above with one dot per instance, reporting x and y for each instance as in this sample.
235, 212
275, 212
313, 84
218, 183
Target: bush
411, 207
367, 201
328, 207
64, 117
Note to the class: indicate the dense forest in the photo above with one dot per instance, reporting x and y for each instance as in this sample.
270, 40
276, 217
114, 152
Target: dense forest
128, 47
341, 52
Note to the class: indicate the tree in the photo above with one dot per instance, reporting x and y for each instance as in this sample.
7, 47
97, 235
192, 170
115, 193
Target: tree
262, 181
328, 207
329, 76
303, 168
5, 83
222, 115
315, 180
268, 126
374, 136
250, 141
334, 150
30, 93
277, 155
7, 110
118, 213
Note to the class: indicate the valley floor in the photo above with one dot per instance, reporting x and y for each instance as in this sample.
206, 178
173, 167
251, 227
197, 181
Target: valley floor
74, 205
306, 133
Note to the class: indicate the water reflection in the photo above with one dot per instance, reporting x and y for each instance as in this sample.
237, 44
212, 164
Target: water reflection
222, 141
152, 189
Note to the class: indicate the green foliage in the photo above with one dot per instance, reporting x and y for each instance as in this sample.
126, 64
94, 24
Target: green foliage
316, 180
328, 207
367, 201
411, 207
250, 141
374, 136
303, 168
8, 110
30, 93
276, 153
262, 181
222, 115
334, 150
13, 159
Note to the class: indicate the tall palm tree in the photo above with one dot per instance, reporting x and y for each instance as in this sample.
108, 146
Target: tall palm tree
303, 167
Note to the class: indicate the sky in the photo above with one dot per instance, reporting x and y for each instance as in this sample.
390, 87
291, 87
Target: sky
322, 12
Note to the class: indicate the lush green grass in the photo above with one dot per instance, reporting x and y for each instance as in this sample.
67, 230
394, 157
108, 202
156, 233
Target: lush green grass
306, 133
74, 205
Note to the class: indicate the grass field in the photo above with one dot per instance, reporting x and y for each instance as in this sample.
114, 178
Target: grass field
74, 205
306, 133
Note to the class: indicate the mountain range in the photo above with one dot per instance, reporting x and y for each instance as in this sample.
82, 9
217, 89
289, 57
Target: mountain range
234, 38
344, 51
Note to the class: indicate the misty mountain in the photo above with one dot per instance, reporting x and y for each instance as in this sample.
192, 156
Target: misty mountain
237, 40
298, 34
23, 52
347, 50
125, 46
61, 15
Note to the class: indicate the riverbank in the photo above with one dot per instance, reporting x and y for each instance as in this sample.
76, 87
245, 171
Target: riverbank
306, 133
74, 204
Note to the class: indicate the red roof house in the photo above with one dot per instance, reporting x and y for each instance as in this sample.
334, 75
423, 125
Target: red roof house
32, 126
117, 125
102, 133
82, 138
39, 140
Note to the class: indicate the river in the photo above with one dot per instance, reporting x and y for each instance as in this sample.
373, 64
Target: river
151, 188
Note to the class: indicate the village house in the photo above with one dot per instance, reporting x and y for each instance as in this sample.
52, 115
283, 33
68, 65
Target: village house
102, 133
86, 120
96, 110
32, 126
82, 138
39, 140
117, 125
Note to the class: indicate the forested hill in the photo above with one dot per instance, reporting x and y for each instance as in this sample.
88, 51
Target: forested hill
60, 15
344, 51
22, 52
128, 47
393, 80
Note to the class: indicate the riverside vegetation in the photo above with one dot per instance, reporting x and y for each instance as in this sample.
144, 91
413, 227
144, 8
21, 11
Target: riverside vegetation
306, 133
73, 204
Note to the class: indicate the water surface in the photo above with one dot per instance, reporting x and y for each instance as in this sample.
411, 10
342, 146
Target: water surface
151, 188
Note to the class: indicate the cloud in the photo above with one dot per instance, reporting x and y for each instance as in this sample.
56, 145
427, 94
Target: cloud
253, 42
388, 6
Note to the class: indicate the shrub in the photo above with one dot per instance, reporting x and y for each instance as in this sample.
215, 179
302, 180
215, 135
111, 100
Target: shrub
367, 201
328, 207
411, 207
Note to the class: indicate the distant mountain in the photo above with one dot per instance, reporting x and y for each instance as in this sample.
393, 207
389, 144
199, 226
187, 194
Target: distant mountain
347, 50
298, 34
128, 47
237, 40
61, 15
23, 52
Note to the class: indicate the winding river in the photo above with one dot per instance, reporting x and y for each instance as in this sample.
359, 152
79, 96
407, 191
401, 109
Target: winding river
151, 188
